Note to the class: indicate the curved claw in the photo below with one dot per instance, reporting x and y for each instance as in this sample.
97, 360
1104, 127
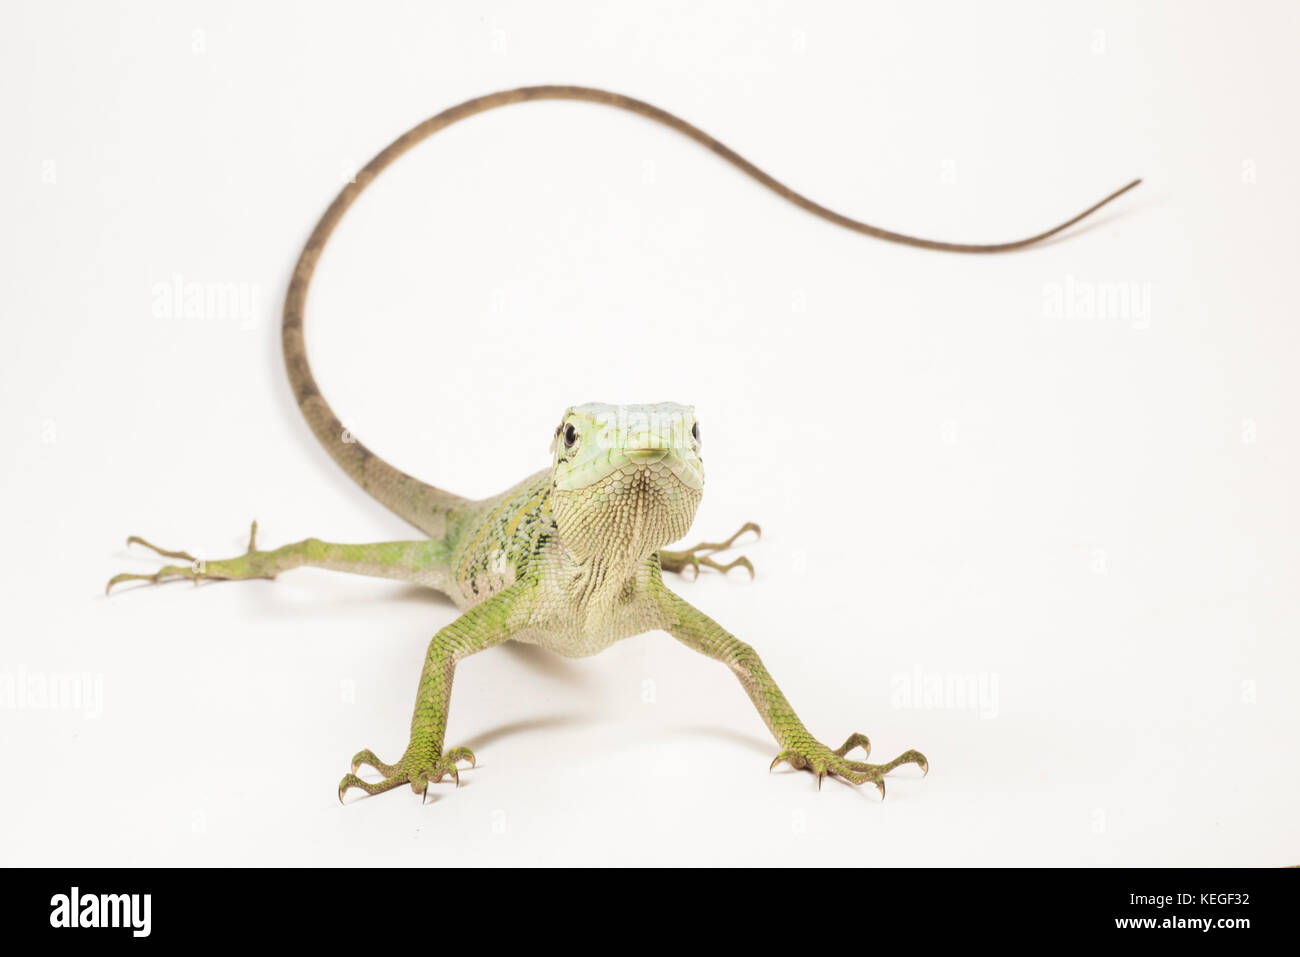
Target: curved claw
855, 740
914, 757
367, 756
166, 573
861, 774
741, 562
747, 527
436, 774
118, 579
786, 756
461, 754
723, 546
352, 781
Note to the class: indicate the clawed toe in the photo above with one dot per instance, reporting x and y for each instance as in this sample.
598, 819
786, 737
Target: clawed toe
855, 740
461, 754
367, 757
792, 758
824, 762
417, 771
698, 556
165, 553
252, 564
742, 562
165, 574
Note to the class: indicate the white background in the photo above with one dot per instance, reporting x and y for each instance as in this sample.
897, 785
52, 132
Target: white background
1093, 516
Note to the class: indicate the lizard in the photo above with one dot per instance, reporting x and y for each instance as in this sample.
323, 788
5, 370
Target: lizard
573, 557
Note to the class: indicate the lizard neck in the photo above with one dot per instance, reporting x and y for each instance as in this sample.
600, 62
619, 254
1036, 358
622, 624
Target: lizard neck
599, 584
606, 562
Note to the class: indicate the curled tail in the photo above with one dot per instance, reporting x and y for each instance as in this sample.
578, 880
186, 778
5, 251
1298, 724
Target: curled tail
423, 505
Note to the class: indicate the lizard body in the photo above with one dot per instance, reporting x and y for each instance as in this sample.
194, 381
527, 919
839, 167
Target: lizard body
572, 558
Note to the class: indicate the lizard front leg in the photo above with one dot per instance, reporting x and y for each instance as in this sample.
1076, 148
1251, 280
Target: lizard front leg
799, 748
484, 625
416, 561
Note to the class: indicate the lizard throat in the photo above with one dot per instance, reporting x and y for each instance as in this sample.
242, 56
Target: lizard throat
625, 517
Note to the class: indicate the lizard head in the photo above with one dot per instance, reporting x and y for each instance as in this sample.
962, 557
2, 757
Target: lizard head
626, 479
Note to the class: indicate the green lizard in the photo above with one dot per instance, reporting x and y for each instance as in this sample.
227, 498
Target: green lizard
572, 558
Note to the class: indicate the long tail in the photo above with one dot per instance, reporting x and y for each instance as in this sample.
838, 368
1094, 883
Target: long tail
423, 505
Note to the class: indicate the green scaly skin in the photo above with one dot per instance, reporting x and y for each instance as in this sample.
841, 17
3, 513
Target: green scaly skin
572, 558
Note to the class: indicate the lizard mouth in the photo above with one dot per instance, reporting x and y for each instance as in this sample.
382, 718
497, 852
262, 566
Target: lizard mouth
663, 464
645, 456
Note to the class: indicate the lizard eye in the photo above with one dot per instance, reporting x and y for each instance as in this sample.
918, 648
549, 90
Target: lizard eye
695, 431
570, 436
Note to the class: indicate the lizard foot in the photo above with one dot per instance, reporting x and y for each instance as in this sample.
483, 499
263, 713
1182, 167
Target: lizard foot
416, 769
699, 554
197, 570
821, 760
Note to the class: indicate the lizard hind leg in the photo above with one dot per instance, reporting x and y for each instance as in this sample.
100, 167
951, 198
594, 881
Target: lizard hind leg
700, 555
